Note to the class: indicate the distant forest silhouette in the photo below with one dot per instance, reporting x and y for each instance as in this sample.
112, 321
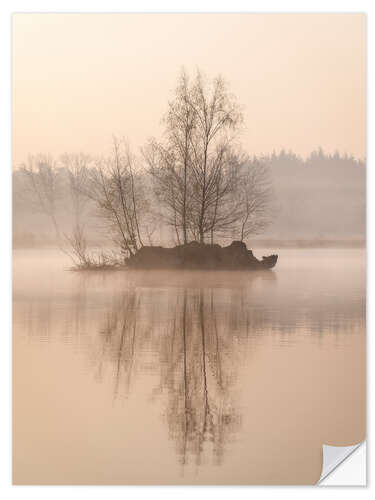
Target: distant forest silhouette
316, 156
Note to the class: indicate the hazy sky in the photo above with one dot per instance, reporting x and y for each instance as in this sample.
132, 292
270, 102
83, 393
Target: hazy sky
79, 78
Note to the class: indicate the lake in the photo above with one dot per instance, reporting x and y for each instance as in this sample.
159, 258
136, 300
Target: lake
129, 377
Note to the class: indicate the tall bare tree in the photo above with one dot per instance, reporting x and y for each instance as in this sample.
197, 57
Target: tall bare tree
192, 169
217, 120
170, 162
181, 124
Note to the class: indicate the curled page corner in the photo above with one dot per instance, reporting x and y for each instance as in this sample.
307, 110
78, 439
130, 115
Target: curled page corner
333, 456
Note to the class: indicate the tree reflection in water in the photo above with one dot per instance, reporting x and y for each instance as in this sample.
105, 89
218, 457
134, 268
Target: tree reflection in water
191, 332
195, 360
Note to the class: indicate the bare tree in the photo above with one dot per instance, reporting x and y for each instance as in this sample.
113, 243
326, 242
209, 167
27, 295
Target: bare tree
192, 170
218, 118
78, 247
223, 208
254, 194
161, 164
116, 188
44, 186
170, 163
181, 124
77, 171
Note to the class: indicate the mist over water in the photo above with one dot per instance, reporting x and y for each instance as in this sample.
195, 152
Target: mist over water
186, 377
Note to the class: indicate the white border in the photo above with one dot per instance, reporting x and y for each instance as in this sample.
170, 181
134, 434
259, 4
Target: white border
6, 8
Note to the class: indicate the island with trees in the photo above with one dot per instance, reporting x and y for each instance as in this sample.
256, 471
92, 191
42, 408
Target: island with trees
195, 190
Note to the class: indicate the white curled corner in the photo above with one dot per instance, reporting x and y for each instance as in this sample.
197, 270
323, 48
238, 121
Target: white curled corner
333, 456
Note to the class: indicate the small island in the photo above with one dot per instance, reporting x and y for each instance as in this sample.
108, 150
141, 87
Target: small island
196, 255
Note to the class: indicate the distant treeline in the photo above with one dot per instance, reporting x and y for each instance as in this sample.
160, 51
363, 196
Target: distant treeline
316, 157
319, 199
322, 197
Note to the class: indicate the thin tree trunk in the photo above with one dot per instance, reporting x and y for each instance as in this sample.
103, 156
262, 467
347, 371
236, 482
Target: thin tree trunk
184, 197
134, 205
203, 204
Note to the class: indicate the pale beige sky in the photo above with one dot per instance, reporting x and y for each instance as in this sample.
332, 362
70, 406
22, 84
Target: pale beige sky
80, 78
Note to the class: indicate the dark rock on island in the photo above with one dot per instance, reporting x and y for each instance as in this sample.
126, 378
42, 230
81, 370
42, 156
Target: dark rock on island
196, 255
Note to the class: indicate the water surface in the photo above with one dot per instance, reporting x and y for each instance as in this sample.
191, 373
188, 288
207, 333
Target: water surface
186, 377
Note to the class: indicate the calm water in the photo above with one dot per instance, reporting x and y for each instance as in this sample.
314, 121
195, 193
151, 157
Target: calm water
186, 378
